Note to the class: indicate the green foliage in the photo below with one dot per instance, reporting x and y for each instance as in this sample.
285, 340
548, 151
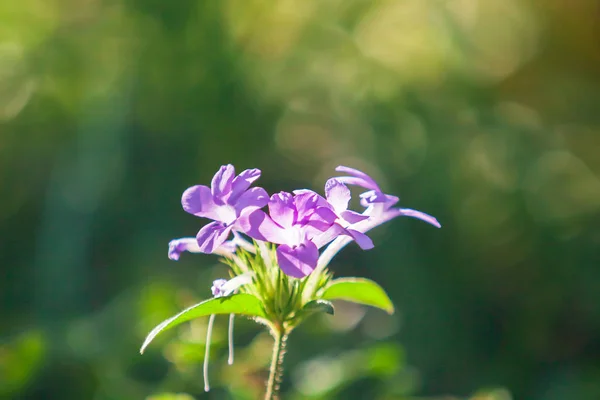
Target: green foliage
170, 396
359, 290
243, 304
20, 360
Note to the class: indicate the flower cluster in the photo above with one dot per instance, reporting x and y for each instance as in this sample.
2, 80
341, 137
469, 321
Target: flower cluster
299, 223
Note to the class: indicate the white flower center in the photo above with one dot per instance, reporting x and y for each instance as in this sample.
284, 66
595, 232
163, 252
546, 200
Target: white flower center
226, 214
294, 235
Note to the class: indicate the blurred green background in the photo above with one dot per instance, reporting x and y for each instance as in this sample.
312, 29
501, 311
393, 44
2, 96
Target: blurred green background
484, 113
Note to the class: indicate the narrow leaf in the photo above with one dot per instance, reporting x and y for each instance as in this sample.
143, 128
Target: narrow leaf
243, 303
359, 290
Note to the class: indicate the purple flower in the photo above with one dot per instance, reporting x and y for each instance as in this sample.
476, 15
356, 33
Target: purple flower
379, 209
374, 197
190, 244
375, 200
178, 246
338, 196
224, 287
292, 223
227, 199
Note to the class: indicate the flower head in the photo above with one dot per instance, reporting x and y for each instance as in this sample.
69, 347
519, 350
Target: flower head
292, 223
374, 196
299, 223
379, 209
228, 198
377, 202
338, 196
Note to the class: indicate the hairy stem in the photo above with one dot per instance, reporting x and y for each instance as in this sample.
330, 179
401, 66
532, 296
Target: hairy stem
276, 370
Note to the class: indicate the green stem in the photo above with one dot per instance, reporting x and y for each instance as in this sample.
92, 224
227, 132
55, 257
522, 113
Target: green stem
276, 370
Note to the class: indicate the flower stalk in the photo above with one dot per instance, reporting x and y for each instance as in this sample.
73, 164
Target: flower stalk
276, 370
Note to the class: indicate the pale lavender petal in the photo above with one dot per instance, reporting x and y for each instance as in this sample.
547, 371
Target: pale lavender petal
321, 239
361, 239
258, 225
217, 287
212, 235
374, 197
298, 261
254, 198
407, 212
242, 182
391, 200
227, 249
221, 183
234, 284
223, 287
282, 209
303, 191
357, 177
354, 181
198, 200
353, 217
338, 195
178, 246
306, 201
321, 219
363, 226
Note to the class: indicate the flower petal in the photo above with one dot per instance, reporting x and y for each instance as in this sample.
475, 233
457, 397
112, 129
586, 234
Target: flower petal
212, 235
306, 201
227, 249
321, 219
258, 225
282, 209
221, 183
407, 212
321, 239
178, 246
217, 287
353, 217
298, 261
234, 284
198, 200
363, 241
338, 195
242, 182
375, 197
357, 177
252, 199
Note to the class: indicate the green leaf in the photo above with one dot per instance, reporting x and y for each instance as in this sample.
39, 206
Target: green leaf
244, 304
359, 290
171, 396
317, 306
